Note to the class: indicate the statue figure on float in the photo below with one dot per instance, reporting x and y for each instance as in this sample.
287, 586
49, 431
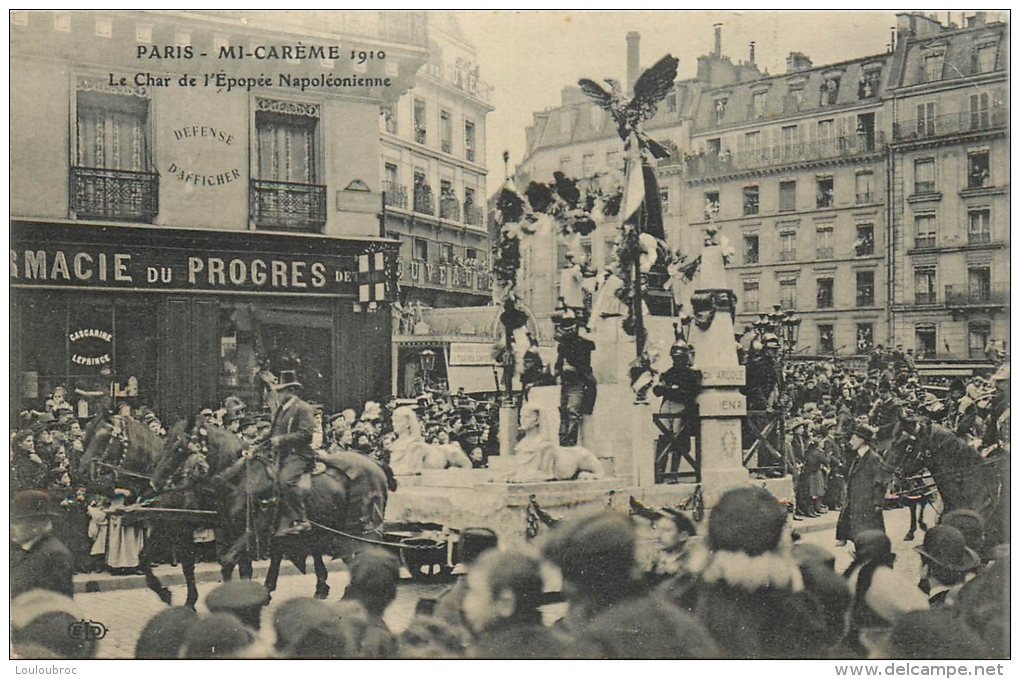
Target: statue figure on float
410, 454
538, 457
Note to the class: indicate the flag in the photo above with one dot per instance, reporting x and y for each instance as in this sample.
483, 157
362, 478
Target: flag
641, 190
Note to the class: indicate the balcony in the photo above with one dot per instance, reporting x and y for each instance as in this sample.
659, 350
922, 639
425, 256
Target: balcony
473, 214
787, 255
979, 237
993, 295
424, 202
824, 253
97, 193
865, 198
925, 298
950, 123
787, 154
448, 276
288, 206
396, 195
922, 188
449, 208
924, 242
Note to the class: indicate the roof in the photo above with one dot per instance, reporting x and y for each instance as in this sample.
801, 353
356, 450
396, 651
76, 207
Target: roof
959, 47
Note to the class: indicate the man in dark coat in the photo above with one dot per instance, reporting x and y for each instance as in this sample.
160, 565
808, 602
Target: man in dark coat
577, 380
27, 469
865, 494
38, 560
291, 438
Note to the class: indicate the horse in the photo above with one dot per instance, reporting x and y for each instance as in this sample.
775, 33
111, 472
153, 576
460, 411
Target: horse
119, 451
241, 487
964, 478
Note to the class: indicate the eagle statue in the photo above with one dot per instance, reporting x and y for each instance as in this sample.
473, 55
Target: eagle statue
650, 88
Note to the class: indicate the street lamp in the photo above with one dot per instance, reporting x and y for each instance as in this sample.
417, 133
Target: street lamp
791, 331
427, 358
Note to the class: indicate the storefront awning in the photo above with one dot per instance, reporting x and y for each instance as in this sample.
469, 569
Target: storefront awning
473, 378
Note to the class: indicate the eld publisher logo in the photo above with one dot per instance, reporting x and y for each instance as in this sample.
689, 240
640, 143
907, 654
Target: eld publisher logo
86, 630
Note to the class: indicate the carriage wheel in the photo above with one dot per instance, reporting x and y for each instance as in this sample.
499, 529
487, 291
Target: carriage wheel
426, 559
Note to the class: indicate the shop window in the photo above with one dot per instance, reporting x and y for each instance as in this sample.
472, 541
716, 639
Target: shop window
787, 196
421, 135
977, 170
865, 243
750, 200
924, 175
925, 346
751, 249
979, 226
824, 198
925, 230
924, 285
865, 337
825, 299
826, 339
788, 293
751, 299
865, 288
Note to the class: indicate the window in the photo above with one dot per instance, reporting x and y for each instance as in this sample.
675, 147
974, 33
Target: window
720, 109
977, 170
588, 165
823, 241
445, 132
421, 249
750, 200
751, 249
986, 55
420, 124
664, 199
713, 147
925, 341
113, 145
751, 299
469, 140
445, 253
824, 297
924, 175
825, 130
933, 66
864, 187
826, 339
979, 229
286, 194
979, 111
391, 174
926, 119
824, 197
795, 98
865, 288
830, 91
613, 161
565, 165
865, 243
925, 230
978, 334
752, 144
671, 103
787, 246
390, 118
865, 337
868, 86
924, 285
711, 204
787, 196
758, 104
470, 253
791, 138
979, 283
788, 293
423, 200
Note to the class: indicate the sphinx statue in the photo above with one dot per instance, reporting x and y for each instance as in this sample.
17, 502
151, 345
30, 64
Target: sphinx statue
410, 454
539, 457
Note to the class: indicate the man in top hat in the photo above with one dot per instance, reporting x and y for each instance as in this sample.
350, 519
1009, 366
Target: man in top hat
946, 560
865, 494
291, 438
38, 560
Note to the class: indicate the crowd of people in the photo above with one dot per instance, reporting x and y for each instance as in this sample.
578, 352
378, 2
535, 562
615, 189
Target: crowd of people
590, 587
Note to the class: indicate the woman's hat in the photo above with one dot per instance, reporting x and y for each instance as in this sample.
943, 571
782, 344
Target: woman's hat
945, 546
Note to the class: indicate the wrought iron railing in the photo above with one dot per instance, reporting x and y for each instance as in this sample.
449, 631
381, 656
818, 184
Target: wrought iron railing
98, 193
787, 255
865, 198
951, 123
979, 295
922, 298
979, 237
288, 206
396, 195
424, 202
924, 187
824, 253
785, 154
924, 242
449, 208
473, 214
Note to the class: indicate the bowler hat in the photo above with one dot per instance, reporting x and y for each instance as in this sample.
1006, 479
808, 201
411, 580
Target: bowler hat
872, 545
237, 595
970, 523
864, 431
946, 547
219, 635
288, 380
32, 503
746, 519
595, 550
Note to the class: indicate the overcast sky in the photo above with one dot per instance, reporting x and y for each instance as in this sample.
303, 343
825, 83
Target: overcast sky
529, 56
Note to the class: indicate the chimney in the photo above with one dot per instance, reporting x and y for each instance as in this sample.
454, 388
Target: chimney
750, 58
797, 61
717, 52
980, 18
633, 59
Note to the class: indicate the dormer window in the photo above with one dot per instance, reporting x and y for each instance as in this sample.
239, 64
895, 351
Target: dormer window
869, 84
795, 95
933, 60
830, 91
758, 104
986, 54
720, 109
